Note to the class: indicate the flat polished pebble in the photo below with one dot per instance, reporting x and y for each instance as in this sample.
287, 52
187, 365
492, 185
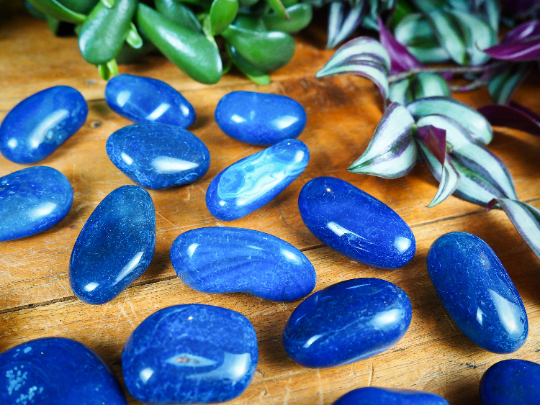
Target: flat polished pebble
222, 260
347, 322
356, 224
388, 396
477, 292
189, 354
39, 124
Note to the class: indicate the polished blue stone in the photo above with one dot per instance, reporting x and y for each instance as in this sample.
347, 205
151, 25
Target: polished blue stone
142, 99
39, 124
259, 118
190, 354
347, 322
115, 246
388, 396
222, 260
54, 371
250, 183
32, 200
158, 156
477, 292
356, 224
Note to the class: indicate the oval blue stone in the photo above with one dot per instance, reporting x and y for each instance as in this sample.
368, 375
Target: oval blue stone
190, 354
158, 156
477, 292
222, 260
347, 322
115, 246
387, 396
356, 224
39, 124
260, 118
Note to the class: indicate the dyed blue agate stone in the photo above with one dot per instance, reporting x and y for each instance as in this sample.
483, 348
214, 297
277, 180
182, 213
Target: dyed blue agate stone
115, 246
477, 292
33, 200
190, 354
356, 224
259, 118
53, 371
347, 322
388, 396
222, 260
158, 156
39, 124
250, 183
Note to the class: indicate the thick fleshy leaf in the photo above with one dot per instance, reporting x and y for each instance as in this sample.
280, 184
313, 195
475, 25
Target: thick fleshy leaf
512, 116
520, 44
434, 139
222, 14
343, 19
57, 10
502, 85
417, 87
401, 59
251, 72
300, 17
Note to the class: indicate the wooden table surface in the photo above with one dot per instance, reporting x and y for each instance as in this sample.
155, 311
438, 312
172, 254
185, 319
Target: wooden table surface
36, 300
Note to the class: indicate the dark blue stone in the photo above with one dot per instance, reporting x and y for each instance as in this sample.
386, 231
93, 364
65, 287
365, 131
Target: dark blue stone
158, 156
259, 118
477, 292
222, 260
388, 396
39, 124
142, 99
250, 183
190, 354
356, 224
53, 371
347, 322
33, 200
115, 246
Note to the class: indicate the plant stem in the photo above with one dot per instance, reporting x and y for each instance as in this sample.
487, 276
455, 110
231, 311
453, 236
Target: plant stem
453, 70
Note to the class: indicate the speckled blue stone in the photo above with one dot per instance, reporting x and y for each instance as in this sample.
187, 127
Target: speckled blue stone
142, 99
222, 260
189, 354
53, 371
158, 156
477, 292
347, 322
115, 246
388, 396
39, 124
32, 200
250, 183
356, 224
259, 118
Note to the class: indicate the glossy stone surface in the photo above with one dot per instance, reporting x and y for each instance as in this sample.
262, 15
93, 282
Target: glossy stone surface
347, 322
221, 260
190, 354
115, 246
477, 292
259, 118
39, 124
250, 183
158, 156
356, 224
32, 200
388, 396
53, 371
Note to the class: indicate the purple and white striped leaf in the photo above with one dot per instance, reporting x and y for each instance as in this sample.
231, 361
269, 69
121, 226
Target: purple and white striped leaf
521, 44
490, 11
343, 19
419, 86
502, 85
401, 59
434, 139
512, 116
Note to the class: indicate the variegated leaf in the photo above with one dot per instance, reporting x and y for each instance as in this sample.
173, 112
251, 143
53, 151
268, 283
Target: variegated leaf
490, 11
501, 86
343, 19
417, 87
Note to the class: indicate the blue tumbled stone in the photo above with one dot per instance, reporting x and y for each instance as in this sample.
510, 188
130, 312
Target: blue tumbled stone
115, 246
388, 396
356, 224
190, 354
477, 292
222, 260
39, 124
347, 322
259, 118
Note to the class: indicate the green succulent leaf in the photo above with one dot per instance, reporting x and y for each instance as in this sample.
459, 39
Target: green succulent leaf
106, 70
417, 87
57, 10
502, 85
222, 14
108, 3
279, 8
300, 17
251, 72
249, 22
79, 6
134, 39
178, 13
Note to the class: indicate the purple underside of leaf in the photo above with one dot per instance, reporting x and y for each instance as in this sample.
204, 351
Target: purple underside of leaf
516, 51
526, 111
510, 117
434, 139
402, 60
522, 32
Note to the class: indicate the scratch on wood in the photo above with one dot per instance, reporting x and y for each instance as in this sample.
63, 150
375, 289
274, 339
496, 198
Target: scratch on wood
371, 373
320, 391
287, 395
165, 218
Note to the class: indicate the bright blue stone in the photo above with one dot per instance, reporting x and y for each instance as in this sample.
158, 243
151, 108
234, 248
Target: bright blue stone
477, 292
356, 224
142, 99
250, 183
190, 354
39, 124
222, 260
158, 156
32, 200
347, 322
259, 118
53, 371
388, 396
115, 246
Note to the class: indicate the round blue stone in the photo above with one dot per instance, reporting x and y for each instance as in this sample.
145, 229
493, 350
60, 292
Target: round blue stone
388, 396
